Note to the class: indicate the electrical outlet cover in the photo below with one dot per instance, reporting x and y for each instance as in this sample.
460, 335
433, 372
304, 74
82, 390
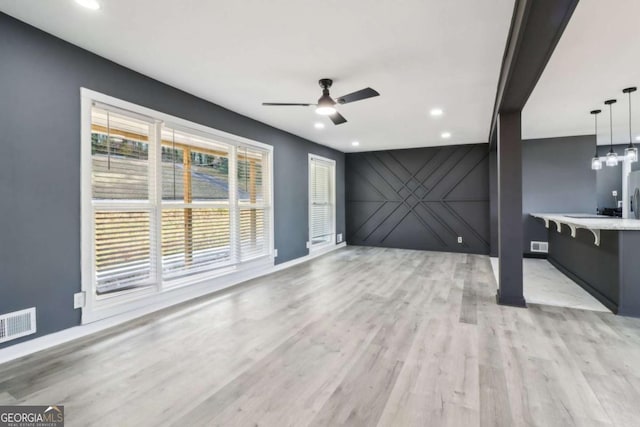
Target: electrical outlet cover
459, 239
78, 300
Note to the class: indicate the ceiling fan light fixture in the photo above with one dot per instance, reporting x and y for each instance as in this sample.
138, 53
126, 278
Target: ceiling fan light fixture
326, 106
325, 111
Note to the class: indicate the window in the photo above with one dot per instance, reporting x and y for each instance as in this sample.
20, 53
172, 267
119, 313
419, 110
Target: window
196, 221
167, 203
322, 211
122, 201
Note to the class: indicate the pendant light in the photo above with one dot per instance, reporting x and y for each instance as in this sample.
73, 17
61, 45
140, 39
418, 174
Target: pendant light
612, 157
631, 152
596, 162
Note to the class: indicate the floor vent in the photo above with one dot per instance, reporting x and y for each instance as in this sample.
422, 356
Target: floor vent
542, 247
17, 324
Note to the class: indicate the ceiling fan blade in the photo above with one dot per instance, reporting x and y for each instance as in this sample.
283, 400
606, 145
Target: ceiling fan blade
337, 118
285, 104
358, 96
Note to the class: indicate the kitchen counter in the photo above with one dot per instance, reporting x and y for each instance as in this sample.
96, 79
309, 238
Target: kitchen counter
599, 253
594, 222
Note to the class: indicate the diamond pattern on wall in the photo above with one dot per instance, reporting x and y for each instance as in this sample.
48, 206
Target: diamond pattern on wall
419, 198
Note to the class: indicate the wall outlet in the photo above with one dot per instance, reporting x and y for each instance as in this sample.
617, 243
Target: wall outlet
459, 239
308, 245
614, 193
339, 238
78, 300
275, 253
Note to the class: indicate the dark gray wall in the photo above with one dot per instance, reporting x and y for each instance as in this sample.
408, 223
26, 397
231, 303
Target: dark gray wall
40, 80
609, 271
420, 198
556, 177
610, 178
595, 268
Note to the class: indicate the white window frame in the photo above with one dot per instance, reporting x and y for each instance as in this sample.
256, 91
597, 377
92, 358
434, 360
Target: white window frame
321, 247
160, 292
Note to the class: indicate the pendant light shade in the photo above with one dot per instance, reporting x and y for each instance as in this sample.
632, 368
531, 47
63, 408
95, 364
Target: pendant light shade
631, 152
612, 157
596, 162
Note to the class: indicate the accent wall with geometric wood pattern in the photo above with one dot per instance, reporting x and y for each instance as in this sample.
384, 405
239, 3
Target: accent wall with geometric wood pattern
423, 198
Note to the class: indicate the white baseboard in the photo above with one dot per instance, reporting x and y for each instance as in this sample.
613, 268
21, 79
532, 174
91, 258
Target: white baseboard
45, 342
495, 263
309, 257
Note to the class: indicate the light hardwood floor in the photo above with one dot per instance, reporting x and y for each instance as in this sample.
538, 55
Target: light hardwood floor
358, 337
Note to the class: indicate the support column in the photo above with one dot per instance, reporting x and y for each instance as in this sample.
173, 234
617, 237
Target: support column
510, 230
493, 201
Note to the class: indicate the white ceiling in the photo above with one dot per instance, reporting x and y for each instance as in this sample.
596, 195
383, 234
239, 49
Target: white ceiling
597, 56
419, 54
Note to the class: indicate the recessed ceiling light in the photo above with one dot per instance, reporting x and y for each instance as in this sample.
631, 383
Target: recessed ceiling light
319, 125
89, 4
355, 143
436, 112
445, 135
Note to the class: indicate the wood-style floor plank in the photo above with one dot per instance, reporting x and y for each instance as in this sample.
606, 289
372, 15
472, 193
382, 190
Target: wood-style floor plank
358, 337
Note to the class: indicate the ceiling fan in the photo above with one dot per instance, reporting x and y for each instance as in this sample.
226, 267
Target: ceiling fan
326, 106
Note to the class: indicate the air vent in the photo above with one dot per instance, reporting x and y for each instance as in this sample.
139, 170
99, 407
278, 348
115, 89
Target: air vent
17, 324
542, 247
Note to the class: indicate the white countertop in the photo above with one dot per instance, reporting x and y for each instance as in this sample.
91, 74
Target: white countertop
599, 223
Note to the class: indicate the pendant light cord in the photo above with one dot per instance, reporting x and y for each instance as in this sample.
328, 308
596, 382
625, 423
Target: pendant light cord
595, 117
630, 134
610, 129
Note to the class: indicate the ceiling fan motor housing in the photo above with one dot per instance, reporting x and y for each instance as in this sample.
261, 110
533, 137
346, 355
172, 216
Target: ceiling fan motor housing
325, 83
325, 100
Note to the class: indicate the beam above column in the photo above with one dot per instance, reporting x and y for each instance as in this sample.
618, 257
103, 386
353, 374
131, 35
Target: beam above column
536, 28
